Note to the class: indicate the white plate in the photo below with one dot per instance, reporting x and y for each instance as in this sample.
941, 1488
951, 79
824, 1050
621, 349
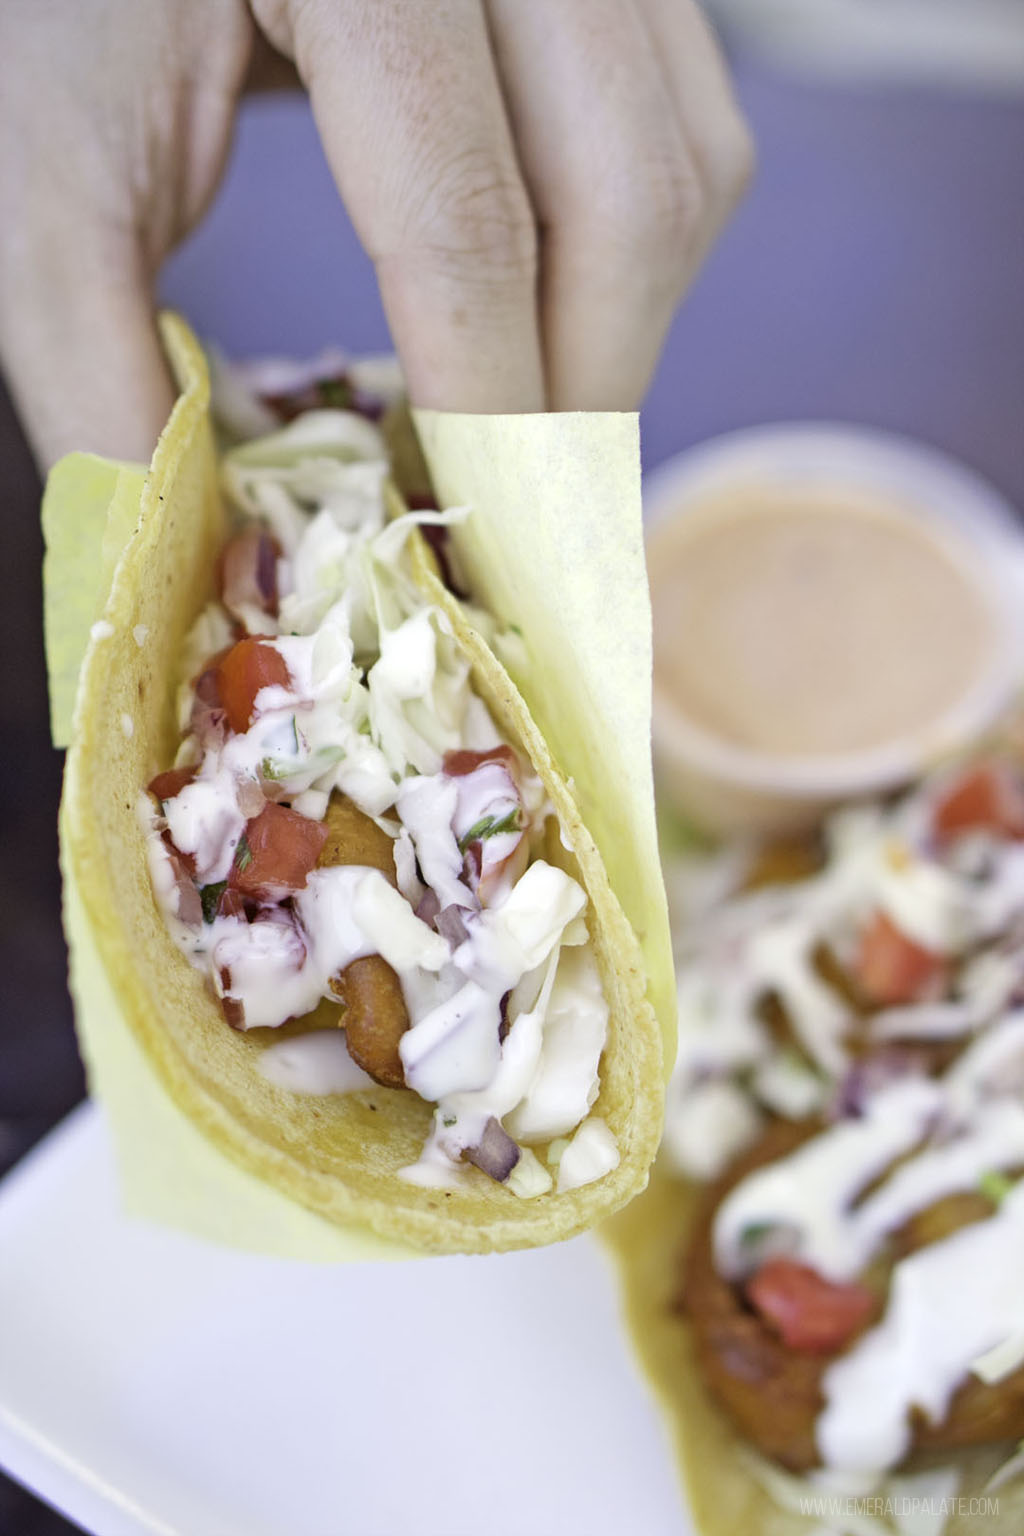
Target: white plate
152, 1383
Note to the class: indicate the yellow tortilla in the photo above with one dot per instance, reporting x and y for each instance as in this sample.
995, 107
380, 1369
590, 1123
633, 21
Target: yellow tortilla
724, 1481
154, 1035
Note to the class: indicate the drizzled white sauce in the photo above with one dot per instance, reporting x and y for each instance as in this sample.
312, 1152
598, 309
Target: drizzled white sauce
948, 1304
808, 1195
720, 1122
317, 1063
204, 820
903, 1141
377, 693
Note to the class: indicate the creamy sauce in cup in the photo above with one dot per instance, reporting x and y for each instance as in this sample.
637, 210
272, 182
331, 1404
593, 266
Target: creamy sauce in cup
833, 611
813, 621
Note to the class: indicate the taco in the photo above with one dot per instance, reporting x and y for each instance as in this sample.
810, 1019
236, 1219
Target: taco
340, 889
824, 1278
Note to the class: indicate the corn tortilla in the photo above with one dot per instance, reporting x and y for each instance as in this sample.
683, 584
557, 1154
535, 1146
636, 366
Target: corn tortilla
726, 1497
337, 1156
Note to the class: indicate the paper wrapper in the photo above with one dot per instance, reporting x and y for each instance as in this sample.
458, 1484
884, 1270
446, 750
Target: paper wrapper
559, 498
555, 550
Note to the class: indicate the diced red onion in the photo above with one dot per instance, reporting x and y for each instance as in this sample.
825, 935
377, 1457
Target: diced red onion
251, 798
208, 720
232, 1007
429, 906
249, 572
473, 860
451, 925
190, 904
496, 1153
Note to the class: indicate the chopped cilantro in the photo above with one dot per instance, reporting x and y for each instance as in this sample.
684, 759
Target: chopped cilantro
754, 1234
995, 1186
210, 896
337, 393
448, 1119
490, 826
243, 854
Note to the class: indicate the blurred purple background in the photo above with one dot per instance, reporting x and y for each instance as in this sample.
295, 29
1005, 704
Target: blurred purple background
876, 274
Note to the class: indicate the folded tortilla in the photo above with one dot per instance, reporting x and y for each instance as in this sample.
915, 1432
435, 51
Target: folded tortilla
147, 1016
730, 1487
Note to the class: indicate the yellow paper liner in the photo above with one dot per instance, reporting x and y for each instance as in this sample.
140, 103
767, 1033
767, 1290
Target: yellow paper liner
148, 1020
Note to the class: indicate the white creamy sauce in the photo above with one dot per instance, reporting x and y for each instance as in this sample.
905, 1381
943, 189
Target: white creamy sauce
377, 693
928, 904
788, 1087
808, 1195
779, 957
948, 1304
1001, 1360
318, 1063
204, 820
720, 1122
899, 1141
269, 968
934, 1021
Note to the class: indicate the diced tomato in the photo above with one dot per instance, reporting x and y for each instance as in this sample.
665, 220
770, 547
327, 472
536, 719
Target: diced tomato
278, 852
986, 798
248, 571
892, 969
248, 666
457, 764
808, 1312
171, 782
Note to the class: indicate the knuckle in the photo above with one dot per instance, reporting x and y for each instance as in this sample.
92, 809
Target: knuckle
733, 166
652, 211
475, 223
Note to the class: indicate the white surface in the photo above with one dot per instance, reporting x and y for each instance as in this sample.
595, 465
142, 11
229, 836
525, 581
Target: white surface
152, 1383
971, 43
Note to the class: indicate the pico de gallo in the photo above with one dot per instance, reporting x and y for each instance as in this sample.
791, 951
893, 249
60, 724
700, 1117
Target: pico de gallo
850, 1087
345, 834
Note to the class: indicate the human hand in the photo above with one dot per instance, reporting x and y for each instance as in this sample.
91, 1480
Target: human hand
536, 182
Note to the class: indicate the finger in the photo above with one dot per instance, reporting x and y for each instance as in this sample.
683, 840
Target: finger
412, 120
80, 346
706, 109
269, 70
613, 183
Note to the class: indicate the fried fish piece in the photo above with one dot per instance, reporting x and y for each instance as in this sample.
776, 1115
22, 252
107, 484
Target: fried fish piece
773, 1392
